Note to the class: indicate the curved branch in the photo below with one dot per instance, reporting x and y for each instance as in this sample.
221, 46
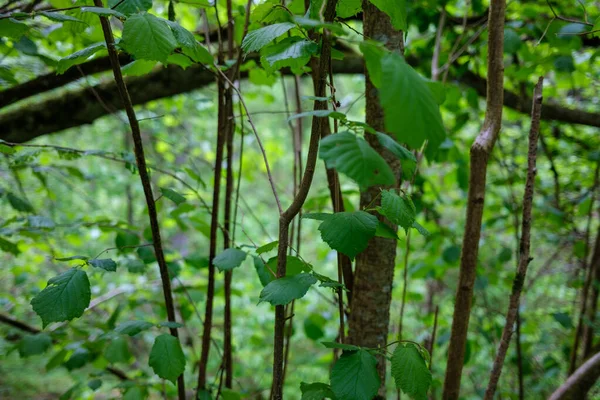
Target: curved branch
585, 375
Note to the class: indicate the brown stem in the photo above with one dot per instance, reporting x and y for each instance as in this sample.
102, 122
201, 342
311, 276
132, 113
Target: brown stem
288, 215
586, 375
519, 357
480, 152
524, 245
145, 179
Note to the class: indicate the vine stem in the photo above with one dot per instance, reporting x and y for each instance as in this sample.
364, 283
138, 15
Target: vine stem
145, 179
524, 245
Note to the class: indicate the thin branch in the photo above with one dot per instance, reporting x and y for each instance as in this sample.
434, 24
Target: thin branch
145, 180
589, 371
524, 246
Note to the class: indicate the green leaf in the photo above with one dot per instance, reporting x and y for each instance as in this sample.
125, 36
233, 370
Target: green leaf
316, 391
6, 149
166, 357
319, 114
396, 9
190, 46
59, 17
104, 12
32, 345
317, 216
19, 203
564, 319
94, 384
354, 157
106, 264
314, 325
596, 27
512, 41
336, 345
135, 393
262, 271
117, 351
125, 241
354, 376
410, 371
349, 232
132, 328
291, 52
78, 57
134, 265
348, 8
9, 247
129, 7
138, 67
394, 147
148, 37
294, 265
385, 231
82, 258
65, 297
229, 259
267, 247
12, 28
400, 210
259, 38
283, 290
410, 109
421, 229
172, 195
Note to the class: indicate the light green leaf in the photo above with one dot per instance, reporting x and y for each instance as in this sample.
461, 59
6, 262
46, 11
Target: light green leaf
129, 7
78, 57
172, 195
400, 210
354, 376
166, 357
410, 371
283, 290
316, 391
148, 37
138, 67
32, 345
317, 216
354, 157
104, 12
421, 229
12, 28
411, 111
348, 8
267, 247
59, 17
117, 351
373, 52
596, 27
396, 9
349, 232
259, 38
229, 259
65, 297
82, 258
132, 328
394, 147
106, 264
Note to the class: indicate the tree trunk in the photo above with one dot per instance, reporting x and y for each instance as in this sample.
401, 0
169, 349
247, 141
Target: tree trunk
372, 295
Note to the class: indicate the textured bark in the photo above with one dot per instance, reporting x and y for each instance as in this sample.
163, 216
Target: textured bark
80, 107
583, 378
480, 152
374, 272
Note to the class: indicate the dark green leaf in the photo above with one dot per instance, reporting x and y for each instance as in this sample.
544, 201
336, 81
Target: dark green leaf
106, 264
229, 259
410, 371
66, 297
105, 12
400, 210
117, 350
148, 37
316, 391
128, 7
314, 325
95, 384
32, 345
263, 273
354, 376
283, 290
166, 357
394, 147
349, 232
132, 328
19, 203
12, 28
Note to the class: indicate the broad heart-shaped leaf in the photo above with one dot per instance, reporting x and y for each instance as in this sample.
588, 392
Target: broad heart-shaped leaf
128, 7
316, 391
148, 37
106, 264
291, 52
78, 57
166, 357
348, 8
31, 345
132, 328
410, 109
394, 147
349, 232
229, 259
282, 291
354, 376
189, 44
396, 9
354, 157
66, 297
410, 371
400, 210
259, 38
